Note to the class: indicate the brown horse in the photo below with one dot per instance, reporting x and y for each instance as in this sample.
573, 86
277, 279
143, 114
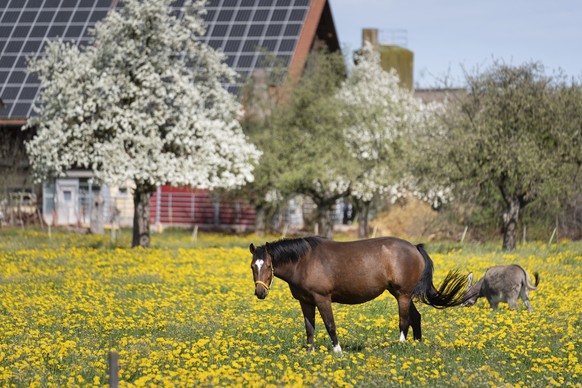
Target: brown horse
321, 271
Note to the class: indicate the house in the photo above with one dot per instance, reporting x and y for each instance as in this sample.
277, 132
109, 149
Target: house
245, 30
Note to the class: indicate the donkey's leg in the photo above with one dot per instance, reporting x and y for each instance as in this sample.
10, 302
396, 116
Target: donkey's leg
525, 297
512, 301
513, 304
404, 315
415, 322
324, 307
309, 317
494, 303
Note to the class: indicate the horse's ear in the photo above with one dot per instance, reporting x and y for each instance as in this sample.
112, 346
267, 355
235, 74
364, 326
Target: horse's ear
469, 279
252, 248
267, 248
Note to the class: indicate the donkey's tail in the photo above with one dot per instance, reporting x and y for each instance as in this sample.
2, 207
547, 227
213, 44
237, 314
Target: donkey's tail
449, 293
535, 285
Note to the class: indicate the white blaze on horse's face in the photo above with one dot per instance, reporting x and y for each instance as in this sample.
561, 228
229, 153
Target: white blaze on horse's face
259, 263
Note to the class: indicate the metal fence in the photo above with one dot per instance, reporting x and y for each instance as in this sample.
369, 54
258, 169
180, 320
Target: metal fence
80, 203
202, 208
19, 208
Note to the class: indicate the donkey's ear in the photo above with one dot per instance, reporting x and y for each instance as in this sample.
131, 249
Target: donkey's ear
470, 279
252, 248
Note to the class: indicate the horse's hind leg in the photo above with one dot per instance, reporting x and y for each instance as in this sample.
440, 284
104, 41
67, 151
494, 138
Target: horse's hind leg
415, 322
404, 308
309, 317
326, 312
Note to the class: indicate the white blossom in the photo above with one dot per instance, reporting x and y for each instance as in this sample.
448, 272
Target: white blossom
144, 102
383, 115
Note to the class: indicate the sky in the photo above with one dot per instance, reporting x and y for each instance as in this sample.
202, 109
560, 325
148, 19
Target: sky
452, 37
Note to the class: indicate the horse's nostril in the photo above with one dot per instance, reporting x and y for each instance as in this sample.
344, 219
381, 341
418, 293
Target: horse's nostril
260, 294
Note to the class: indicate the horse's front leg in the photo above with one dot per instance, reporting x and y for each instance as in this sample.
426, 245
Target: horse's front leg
326, 312
309, 317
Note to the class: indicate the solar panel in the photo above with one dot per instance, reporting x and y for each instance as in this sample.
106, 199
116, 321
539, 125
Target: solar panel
245, 29
25, 28
242, 29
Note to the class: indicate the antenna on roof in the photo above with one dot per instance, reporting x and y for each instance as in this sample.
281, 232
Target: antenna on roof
395, 36
390, 37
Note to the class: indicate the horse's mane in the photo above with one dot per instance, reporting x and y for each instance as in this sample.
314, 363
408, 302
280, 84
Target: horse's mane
291, 249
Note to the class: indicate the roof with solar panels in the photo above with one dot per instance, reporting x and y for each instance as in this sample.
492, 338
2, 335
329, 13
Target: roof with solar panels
245, 30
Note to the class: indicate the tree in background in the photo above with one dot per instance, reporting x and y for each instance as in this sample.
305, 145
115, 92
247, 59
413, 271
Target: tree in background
263, 95
381, 118
513, 133
302, 141
318, 163
565, 194
143, 103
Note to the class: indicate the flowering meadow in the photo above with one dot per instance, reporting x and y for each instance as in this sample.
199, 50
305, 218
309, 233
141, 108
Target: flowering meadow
183, 313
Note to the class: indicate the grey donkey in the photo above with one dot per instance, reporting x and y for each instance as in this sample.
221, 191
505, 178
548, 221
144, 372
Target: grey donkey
502, 283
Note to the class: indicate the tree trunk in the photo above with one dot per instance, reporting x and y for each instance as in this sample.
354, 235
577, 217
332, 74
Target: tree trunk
510, 221
96, 224
141, 216
260, 220
363, 214
325, 219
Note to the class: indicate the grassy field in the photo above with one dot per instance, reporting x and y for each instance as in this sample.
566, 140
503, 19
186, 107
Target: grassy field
183, 313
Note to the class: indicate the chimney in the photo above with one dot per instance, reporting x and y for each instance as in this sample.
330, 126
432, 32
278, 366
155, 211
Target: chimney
370, 35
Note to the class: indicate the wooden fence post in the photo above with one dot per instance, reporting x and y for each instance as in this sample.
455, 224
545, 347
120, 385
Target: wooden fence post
113, 370
195, 233
552, 237
464, 234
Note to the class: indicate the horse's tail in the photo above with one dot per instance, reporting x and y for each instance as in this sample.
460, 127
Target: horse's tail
449, 294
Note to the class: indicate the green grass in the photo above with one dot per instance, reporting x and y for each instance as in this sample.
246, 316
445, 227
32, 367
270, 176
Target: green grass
183, 313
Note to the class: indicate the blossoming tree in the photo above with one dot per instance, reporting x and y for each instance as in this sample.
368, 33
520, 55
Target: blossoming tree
142, 103
381, 118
